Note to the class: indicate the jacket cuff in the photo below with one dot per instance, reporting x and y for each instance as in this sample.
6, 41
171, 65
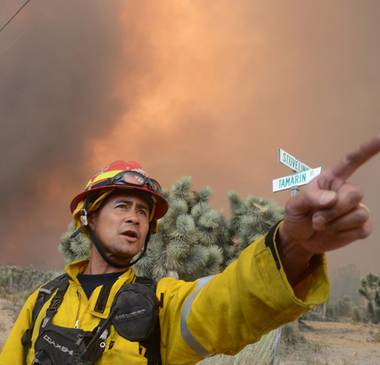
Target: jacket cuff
314, 284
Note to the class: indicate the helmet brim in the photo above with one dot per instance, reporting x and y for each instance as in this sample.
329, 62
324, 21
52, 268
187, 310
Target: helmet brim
161, 208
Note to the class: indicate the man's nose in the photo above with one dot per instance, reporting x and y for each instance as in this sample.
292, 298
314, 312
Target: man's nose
132, 218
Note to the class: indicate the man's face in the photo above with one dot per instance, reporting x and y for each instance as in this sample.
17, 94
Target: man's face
122, 224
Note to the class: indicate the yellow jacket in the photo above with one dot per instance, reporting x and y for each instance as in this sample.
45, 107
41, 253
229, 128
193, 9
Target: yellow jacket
217, 314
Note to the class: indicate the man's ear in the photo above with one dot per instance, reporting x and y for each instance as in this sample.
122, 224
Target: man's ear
92, 220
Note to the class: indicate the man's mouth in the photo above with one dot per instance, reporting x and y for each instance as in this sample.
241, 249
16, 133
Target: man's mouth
131, 235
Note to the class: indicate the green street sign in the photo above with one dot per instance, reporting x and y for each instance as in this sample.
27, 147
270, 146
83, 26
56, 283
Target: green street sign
290, 161
302, 178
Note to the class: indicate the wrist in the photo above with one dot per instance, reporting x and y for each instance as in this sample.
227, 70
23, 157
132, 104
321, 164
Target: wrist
294, 257
291, 246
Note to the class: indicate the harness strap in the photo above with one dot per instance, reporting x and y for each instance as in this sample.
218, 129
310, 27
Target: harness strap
153, 344
44, 294
102, 298
55, 303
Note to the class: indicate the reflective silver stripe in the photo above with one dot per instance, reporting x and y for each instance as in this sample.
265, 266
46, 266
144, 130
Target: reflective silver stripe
186, 335
46, 291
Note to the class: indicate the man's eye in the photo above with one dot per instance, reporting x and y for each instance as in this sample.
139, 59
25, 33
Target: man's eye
144, 212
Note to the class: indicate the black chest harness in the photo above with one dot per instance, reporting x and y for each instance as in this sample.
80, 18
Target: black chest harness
134, 315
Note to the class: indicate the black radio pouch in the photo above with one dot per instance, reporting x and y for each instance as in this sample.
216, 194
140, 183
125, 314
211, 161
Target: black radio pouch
61, 345
135, 312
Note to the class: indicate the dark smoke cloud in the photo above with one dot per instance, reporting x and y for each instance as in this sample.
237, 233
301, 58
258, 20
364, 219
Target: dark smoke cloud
208, 89
58, 65
238, 81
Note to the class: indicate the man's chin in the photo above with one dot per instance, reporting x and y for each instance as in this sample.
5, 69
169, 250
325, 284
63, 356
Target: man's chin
123, 257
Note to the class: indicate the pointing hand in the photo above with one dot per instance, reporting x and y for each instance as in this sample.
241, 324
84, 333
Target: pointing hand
328, 213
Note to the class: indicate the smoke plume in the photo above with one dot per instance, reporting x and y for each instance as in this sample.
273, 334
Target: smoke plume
208, 89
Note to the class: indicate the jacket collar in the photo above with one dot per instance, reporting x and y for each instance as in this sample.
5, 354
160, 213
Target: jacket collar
77, 267
73, 269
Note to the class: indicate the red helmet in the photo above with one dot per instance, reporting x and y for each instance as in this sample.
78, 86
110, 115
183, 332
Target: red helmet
125, 175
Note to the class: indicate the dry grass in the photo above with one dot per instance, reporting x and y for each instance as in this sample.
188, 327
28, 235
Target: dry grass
334, 343
375, 335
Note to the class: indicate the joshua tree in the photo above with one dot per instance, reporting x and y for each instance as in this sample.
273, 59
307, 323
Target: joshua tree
370, 289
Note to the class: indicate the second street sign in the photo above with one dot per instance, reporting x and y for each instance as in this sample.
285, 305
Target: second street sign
299, 179
288, 160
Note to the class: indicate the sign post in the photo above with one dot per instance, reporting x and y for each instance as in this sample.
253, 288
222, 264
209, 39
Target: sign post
303, 175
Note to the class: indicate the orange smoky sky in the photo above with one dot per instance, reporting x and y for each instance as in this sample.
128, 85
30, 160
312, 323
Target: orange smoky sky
209, 89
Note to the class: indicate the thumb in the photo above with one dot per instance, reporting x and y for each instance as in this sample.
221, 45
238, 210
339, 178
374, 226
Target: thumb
311, 200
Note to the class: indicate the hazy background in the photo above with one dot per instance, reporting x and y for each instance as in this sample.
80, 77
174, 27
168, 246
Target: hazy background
209, 89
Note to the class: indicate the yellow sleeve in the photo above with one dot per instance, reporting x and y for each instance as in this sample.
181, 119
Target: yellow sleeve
12, 352
225, 312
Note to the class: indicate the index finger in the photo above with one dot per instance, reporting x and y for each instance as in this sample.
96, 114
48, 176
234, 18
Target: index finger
352, 161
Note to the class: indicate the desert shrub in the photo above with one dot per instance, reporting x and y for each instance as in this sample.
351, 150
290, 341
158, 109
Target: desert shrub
291, 335
17, 283
341, 307
14, 279
344, 307
370, 290
331, 311
316, 314
356, 315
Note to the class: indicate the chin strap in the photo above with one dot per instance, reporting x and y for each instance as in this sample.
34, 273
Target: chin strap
100, 246
104, 253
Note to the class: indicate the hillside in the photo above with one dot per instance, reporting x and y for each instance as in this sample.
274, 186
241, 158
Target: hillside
7, 315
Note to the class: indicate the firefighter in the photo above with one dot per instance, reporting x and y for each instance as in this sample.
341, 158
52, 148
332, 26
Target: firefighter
99, 312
